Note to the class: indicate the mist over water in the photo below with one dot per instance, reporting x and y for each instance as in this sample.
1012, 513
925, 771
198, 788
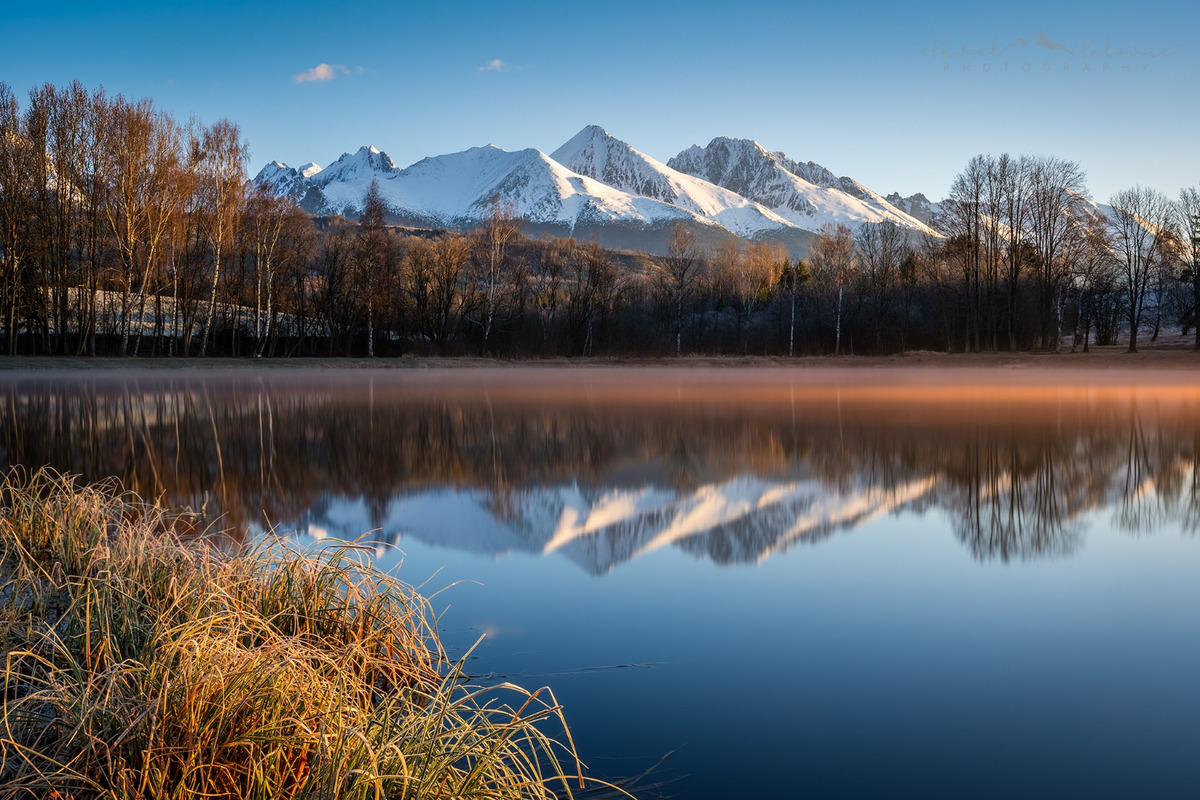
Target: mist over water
827, 582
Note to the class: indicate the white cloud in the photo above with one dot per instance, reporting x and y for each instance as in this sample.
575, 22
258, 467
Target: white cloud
321, 73
495, 65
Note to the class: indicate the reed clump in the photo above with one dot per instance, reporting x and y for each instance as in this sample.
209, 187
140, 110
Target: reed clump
140, 665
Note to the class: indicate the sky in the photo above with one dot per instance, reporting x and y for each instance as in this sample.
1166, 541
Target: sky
897, 96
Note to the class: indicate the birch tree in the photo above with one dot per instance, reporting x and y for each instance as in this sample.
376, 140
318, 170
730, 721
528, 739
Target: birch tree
16, 156
222, 167
494, 262
374, 255
791, 277
143, 161
833, 263
267, 220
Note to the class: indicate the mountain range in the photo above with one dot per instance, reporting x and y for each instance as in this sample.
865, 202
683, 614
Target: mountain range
596, 185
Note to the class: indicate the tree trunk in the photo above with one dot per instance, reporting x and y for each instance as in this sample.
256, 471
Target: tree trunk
679, 324
370, 328
268, 325
792, 327
1196, 299
837, 346
212, 304
1060, 300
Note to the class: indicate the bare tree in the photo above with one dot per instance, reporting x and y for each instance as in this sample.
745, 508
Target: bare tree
334, 289
1014, 174
1093, 271
494, 261
882, 248
791, 278
144, 162
40, 212
1141, 228
833, 264
992, 239
679, 273
452, 297
16, 157
57, 136
548, 283
92, 185
222, 168
934, 263
267, 222
962, 219
374, 256
1188, 213
293, 260
749, 278
590, 291
1057, 193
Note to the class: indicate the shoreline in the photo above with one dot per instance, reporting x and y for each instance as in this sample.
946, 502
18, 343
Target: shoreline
1156, 357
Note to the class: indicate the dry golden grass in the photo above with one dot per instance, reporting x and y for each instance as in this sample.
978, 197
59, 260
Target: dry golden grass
136, 665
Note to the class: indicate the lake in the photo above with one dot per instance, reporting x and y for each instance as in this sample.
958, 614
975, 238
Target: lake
817, 583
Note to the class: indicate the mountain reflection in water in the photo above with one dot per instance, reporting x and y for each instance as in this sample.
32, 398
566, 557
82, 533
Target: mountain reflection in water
604, 465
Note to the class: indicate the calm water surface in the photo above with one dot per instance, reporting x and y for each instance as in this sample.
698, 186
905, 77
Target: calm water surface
818, 583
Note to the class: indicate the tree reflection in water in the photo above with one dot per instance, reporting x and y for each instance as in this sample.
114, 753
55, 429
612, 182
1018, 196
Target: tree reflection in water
607, 465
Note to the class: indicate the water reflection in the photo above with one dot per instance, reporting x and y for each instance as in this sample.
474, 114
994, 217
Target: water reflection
603, 466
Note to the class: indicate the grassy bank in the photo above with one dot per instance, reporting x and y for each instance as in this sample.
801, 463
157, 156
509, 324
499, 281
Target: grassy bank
138, 665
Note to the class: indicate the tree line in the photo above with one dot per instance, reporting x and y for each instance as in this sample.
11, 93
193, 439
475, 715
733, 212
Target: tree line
124, 231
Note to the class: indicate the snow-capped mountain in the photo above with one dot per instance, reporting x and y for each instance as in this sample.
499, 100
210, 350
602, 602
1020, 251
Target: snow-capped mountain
287, 181
597, 185
596, 153
459, 189
366, 164
807, 195
917, 206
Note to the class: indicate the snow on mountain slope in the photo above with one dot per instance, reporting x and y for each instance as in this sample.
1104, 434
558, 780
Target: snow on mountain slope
597, 185
780, 184
284, 181
917, 206
463, 185
597, 154
365, 164
459, 189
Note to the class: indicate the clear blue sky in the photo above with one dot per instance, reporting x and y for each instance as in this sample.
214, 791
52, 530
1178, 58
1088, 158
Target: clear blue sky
851, 86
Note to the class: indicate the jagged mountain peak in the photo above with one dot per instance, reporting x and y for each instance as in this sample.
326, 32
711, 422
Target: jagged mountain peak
457, 190
366, 160
596, 153
593, 139
284, 181
806, 194
917, 206
598, 184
